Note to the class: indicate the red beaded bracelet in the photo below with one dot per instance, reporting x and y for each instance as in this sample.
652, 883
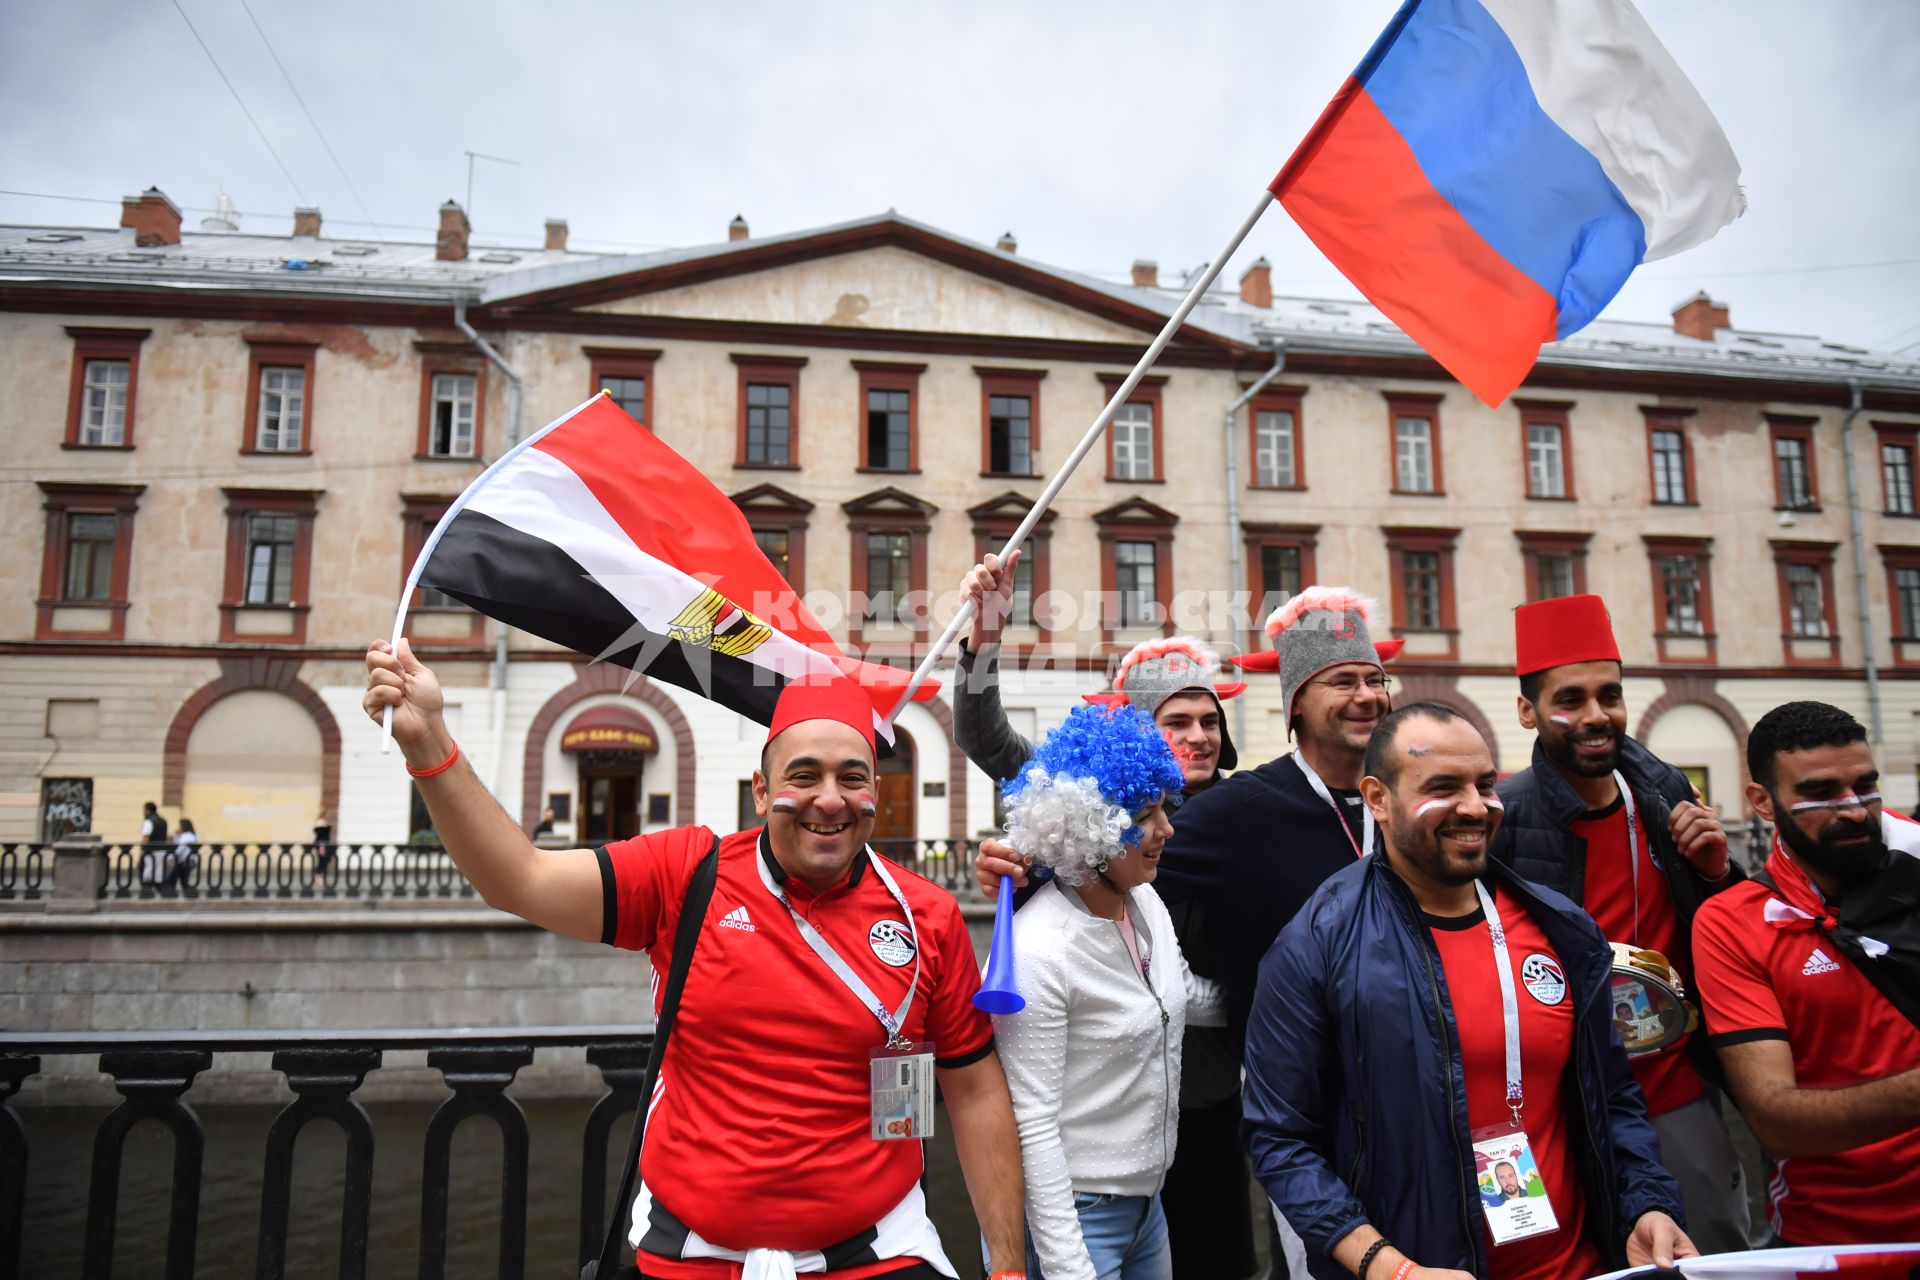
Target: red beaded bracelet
438, 769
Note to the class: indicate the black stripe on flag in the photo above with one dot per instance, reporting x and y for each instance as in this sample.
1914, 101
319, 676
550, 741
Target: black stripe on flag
531, 584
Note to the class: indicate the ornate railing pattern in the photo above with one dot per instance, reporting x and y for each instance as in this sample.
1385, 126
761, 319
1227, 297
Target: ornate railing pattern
24, 870
152, 1070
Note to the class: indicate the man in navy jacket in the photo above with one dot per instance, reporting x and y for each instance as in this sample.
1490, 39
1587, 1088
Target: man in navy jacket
1375, 1052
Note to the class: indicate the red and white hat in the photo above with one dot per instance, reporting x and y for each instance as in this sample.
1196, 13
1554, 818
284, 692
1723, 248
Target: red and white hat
1319, 628
1156, 670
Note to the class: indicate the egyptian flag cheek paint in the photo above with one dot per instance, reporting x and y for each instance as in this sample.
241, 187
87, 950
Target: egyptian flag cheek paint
786, 802
864, 805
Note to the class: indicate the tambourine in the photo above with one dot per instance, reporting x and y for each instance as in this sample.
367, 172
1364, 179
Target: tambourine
1649, 1006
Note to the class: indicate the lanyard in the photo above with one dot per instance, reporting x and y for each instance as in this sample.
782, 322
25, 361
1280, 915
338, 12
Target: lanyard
892, 1022
1633, 848
1509, 1004
1366, 814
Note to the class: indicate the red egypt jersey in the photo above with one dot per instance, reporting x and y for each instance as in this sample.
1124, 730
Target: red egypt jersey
1668, 1078
1546, 1045
759, 1136
1760, 982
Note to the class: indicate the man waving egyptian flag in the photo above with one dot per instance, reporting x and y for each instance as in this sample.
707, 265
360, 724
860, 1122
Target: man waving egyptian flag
595, 535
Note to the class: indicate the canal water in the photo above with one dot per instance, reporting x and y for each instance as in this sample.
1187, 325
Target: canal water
61, 1145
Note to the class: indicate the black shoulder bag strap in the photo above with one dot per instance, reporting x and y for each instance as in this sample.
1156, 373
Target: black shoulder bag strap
693, 913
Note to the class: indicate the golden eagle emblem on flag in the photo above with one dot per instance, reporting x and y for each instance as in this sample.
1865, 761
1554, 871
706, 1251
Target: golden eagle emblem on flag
714, 622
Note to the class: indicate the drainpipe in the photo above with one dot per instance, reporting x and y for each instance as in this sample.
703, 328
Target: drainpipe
1860, 560
515, 391
1235, 567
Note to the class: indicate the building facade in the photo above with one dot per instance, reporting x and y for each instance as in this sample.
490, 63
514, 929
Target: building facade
224, 451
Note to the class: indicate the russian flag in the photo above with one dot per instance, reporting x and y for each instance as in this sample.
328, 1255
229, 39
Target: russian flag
1494, 170
593, 534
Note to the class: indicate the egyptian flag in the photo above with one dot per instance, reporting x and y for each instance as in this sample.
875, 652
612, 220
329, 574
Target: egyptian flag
593, 534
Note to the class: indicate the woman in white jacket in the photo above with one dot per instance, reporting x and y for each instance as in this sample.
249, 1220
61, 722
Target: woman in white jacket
1093, 1060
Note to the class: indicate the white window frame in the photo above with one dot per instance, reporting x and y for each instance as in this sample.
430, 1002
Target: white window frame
1273, 449
1896, 473
283, 409
103, 414
1413, 454
1133, 441
463, 406
1144, 587
1681, 616
1802, 624
1546, 460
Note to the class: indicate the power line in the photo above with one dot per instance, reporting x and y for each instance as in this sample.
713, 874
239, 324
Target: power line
309, 114
1707, 272
242, 103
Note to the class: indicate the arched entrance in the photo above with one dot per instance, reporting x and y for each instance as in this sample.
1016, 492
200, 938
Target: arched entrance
895, 826
1697, 741
254, 763
610, 746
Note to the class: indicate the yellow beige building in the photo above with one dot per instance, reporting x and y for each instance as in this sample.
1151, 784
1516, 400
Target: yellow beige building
224, 449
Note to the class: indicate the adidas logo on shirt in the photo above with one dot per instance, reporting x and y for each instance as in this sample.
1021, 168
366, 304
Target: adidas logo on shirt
1819, 962
737, 919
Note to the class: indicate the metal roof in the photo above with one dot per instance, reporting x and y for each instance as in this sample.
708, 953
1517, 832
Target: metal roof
400, 271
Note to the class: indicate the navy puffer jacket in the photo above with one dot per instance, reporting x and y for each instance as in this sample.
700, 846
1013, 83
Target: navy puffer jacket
1356, 1105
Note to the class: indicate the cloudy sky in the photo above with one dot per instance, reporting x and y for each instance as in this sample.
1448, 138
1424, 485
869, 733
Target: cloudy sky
1098, 132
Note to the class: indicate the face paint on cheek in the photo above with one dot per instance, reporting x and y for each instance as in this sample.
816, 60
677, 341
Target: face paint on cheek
1559, 719
785, 802
864, 803
1430, 806
1493, 802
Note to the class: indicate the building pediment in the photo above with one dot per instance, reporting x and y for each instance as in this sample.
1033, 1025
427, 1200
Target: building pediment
771, 497
1135, 511
882, 275
888, 502
1008, 506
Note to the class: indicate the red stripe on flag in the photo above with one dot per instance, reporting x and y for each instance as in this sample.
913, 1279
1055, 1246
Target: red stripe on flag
1363, 199
675, 514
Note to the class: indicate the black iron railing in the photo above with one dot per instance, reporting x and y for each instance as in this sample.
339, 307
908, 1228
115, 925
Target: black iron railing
152, 1070
218, 872
24, 869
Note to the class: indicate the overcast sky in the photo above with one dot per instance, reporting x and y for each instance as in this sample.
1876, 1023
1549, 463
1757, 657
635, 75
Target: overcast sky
1098, 132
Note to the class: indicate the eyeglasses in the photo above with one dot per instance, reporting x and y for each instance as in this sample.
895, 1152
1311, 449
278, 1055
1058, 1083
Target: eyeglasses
1347, 686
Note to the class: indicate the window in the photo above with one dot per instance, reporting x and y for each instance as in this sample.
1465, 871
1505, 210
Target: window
1671, 457
1133, 438
90, 542
455, 407
1794, 486
769, 430
1903, 602
888, 404
1279, 566
1133, 442
889, 574
1136, 567
270, 541
269, 564
279, 397
1277, 453
1897, 448
1010, 416
1421, 561
1544, 431
1682, 598
1556, 563
1415, 421
106, 376
1806, 600
85, 563
777, 546
628, 374
453, 398
993, 523
66, 807
888, 531
434, 617
779, 522
1134, 583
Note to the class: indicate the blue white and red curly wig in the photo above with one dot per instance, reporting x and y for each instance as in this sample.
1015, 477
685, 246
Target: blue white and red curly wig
1072, 805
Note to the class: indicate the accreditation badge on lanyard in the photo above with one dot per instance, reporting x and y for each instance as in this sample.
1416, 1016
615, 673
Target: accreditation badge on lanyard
899, 1072
1511, 1190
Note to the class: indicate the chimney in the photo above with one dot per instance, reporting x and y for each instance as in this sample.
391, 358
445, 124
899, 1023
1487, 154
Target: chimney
557, 234
1699, 317
737, 229
451, 244
155, 220
1146, 273
306, 222
1256, 286
1006, 243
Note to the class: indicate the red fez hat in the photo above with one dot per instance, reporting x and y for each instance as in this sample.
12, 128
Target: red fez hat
1561, 632
836, 699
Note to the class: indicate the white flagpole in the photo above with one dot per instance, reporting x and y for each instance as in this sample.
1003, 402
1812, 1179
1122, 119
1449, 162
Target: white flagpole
433, 540
1091, 438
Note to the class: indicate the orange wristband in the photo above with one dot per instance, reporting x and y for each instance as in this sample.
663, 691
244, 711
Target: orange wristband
445, 765
1400, 1272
